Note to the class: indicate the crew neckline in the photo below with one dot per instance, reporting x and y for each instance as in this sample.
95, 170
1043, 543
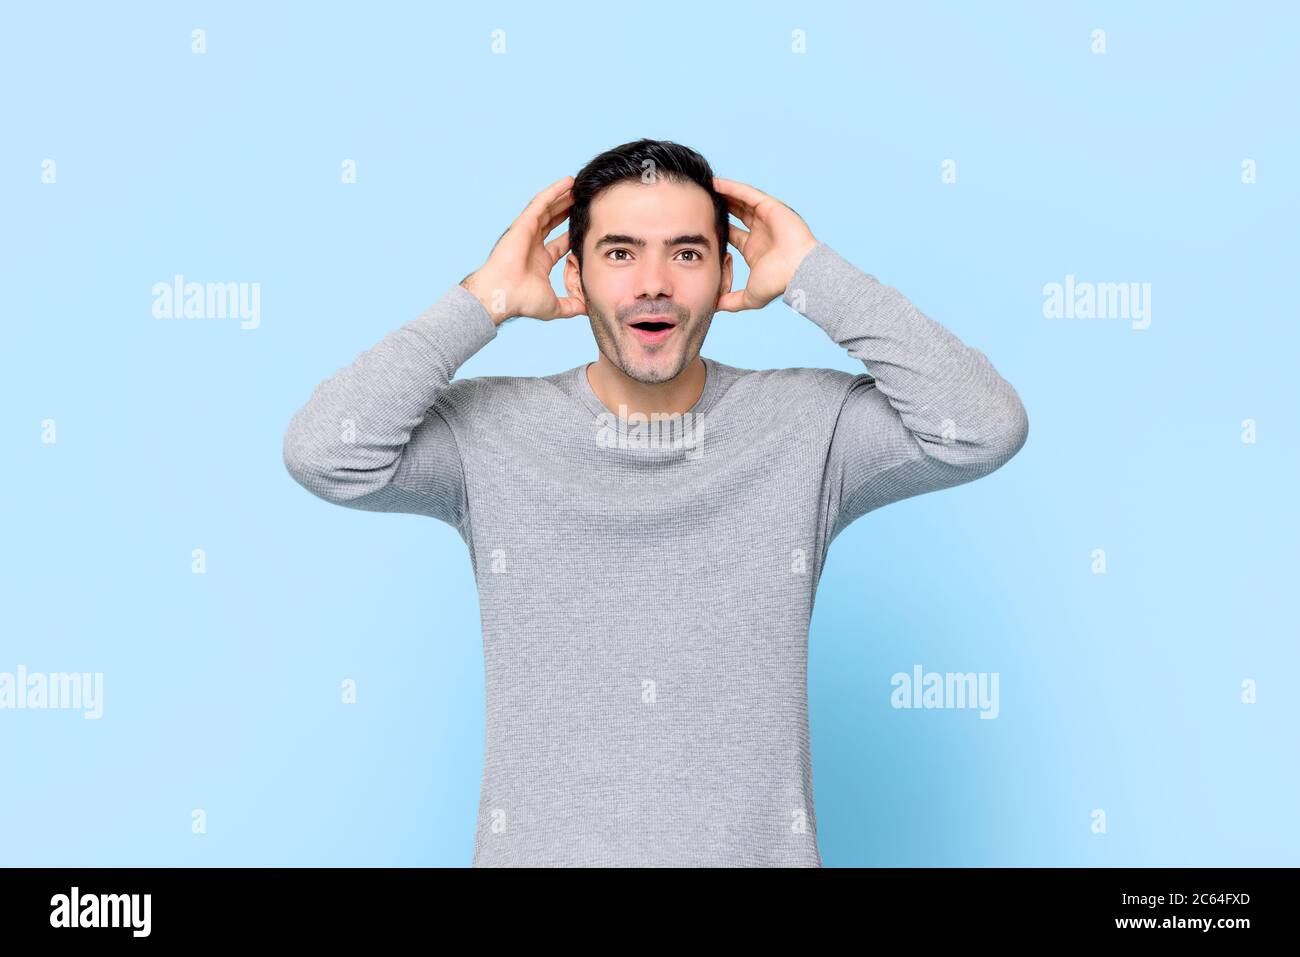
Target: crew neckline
712, 385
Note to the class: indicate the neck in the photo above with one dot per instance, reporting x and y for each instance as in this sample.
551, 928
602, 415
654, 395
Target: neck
615, 388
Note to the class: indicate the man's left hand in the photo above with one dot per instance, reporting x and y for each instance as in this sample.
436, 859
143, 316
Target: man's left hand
777, 241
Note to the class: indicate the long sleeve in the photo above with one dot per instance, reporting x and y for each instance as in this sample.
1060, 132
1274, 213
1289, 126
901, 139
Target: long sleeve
367, 437
930, 412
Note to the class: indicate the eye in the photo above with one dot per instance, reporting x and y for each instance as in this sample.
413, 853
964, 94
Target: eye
612, 251
695, 253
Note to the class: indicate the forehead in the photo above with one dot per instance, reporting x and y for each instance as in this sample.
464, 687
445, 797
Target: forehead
651, 209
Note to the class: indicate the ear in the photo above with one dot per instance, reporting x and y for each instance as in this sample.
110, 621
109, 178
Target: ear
724, 285
573, 279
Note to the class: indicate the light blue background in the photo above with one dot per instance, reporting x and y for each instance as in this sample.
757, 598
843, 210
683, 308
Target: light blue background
1119, 692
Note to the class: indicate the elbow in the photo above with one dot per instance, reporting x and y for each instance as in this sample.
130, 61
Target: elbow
301, 466
316, 476
999, 431
1009, 432
308, 467
335, 473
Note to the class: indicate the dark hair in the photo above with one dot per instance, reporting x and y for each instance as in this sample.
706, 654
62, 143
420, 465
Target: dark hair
669, 160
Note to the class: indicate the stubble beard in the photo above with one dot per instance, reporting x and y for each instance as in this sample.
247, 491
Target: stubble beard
608, 340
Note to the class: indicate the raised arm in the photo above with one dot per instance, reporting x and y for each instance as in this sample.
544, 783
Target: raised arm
368, 436
930, 413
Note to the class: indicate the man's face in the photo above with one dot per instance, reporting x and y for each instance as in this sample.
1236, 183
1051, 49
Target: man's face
650, 255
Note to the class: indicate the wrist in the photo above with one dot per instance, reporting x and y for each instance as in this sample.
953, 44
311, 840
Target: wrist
800, 257
491, 296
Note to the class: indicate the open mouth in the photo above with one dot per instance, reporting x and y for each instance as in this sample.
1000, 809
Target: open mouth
651, 331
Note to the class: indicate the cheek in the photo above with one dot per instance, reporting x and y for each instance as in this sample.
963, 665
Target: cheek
608, 296
702, 298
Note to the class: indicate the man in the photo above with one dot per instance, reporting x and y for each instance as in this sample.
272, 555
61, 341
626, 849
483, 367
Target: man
647, 530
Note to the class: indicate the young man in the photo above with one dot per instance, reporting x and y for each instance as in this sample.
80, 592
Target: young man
647, 530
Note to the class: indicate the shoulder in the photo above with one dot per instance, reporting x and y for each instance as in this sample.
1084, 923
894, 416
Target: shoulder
476, 399
800, 385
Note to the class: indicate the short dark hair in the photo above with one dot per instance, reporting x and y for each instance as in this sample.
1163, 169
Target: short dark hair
669, 160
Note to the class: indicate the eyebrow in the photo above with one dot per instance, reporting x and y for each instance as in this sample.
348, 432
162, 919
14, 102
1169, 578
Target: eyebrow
616, 239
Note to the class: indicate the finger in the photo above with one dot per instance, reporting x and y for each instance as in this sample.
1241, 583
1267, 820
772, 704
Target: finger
528, 231
557, 217
745, 214
568, 307
736, 206
555, 214
732, 301
540, 208
558, 246
561, 202
742, 192
536, 218
549, 195
737, 237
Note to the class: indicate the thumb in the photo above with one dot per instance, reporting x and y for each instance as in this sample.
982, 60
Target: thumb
568, 307
732, 301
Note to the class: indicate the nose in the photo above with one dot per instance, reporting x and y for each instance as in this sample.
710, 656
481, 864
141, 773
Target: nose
652, 279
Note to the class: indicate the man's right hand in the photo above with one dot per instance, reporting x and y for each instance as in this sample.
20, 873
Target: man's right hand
516, 279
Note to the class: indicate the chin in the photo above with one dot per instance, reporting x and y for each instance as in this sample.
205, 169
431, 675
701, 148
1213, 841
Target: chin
655, 374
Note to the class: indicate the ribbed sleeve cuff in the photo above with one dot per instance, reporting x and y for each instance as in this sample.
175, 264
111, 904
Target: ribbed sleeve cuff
464, 326
826, 288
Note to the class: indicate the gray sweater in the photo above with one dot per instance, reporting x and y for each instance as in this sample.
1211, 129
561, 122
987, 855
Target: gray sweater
645, 588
